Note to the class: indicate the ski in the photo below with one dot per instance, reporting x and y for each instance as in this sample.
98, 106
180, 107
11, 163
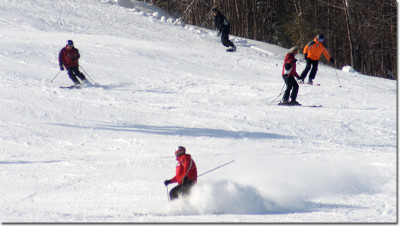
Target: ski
306, 83
87, 84
311, 106
295, 105
70, 87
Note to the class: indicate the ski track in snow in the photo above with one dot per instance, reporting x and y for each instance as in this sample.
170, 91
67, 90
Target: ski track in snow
101, 153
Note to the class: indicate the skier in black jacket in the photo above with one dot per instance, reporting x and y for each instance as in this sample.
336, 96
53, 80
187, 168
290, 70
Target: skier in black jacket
224, 28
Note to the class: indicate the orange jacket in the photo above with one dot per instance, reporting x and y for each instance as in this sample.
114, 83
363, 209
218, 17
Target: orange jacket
314, 49
186, 167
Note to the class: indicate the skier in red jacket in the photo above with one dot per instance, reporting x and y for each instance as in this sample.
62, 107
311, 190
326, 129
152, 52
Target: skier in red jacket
68, 58
186, 174
288, 74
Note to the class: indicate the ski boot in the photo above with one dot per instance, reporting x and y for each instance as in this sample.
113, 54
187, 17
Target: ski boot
294, 103
284, 102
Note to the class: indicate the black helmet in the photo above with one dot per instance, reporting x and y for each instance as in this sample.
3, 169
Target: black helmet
215, 11
180, 151
320, 37
70, 43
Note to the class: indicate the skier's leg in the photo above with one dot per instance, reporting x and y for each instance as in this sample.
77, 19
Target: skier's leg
186, 187
175, 192
288, 88
306, 70
72, 75
79, 74
313, 70
295, 89
225, 39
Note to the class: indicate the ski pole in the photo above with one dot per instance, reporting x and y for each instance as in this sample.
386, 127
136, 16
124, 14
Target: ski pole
216, 168
338, 79
167, 193
184, 13
87, 74
55, 76
279, 94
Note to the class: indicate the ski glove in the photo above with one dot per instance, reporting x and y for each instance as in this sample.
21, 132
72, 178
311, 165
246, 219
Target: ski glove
305, 56
288, 68
166, 182
332, 60
61, 68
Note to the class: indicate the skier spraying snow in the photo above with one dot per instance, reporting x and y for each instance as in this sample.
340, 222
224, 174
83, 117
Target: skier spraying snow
68, 58
224, 28
312, 52
288, 74
186, 174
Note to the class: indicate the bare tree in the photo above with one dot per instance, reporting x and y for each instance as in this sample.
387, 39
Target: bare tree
360, 33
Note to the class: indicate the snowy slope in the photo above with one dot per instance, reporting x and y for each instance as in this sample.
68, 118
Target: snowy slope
101, 154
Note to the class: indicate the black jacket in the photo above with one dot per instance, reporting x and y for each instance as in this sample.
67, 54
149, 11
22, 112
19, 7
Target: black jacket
222, 23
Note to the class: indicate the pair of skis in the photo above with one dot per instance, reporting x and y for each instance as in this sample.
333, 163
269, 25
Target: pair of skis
78, 86
310, 106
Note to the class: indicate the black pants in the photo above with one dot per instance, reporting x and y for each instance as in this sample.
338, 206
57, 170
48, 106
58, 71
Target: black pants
181, 189
290, 84
225, 39
74, 72
314, 64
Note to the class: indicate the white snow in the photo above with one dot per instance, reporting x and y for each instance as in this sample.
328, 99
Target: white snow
101, 154
348, 68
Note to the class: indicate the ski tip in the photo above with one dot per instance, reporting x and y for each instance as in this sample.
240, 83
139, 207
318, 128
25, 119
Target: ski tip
313, 106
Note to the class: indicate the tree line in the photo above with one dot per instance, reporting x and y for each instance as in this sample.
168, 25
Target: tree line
359, 33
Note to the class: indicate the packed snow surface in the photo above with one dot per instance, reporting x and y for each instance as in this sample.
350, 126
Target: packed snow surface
101, 153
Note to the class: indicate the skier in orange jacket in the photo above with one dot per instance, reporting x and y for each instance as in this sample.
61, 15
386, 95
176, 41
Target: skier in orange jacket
312, 52
186, 174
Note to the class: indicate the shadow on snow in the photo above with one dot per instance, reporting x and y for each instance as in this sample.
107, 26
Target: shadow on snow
182, 131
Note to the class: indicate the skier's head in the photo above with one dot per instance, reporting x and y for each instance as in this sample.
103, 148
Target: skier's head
70, 43
320, 38
215, 11
180, 151
294, 50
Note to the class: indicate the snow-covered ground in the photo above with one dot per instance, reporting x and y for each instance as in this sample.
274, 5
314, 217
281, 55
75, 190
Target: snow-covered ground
101, 154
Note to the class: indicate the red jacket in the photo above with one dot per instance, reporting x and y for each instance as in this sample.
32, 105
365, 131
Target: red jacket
69, 57
289, 58
185, 167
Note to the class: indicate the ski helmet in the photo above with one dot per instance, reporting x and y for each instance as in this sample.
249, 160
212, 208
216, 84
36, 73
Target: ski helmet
70, 43
180, 151
215, 11
320, 37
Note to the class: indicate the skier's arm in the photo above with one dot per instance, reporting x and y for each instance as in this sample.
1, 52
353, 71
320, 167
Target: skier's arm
77, 55
326, 54
60, 60
174, 180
